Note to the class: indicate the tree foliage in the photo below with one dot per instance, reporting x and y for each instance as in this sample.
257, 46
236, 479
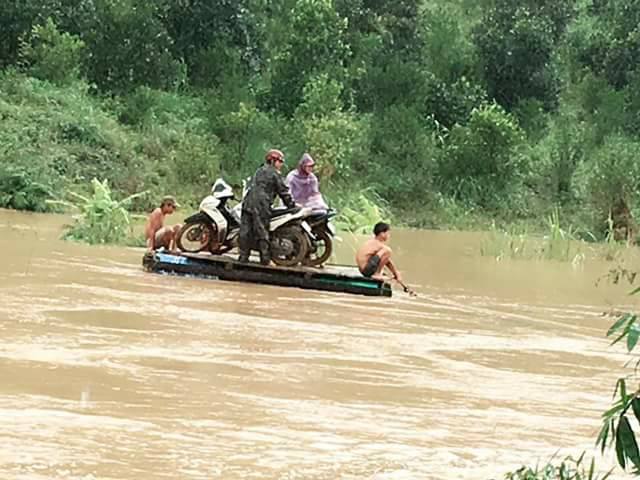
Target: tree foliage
438, 108
52, 55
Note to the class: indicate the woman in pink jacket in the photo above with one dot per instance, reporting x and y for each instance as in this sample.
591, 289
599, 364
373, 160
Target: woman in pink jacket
304, 185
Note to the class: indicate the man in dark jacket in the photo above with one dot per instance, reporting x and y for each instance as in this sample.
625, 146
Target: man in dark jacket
266, 184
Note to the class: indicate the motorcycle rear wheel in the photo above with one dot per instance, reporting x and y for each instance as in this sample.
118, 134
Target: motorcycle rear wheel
321, 249
195, 237
299, 251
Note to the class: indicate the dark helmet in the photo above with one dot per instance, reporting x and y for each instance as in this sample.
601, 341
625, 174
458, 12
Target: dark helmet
273, 155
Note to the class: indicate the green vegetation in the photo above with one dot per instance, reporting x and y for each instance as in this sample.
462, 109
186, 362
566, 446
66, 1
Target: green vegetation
557, 243
359, 212
616, 428
447, 114
620, 422
101, 219
568, 468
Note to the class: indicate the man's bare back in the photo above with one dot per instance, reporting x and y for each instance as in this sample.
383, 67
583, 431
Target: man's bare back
371, 247
156, 233
154, 223
374, 255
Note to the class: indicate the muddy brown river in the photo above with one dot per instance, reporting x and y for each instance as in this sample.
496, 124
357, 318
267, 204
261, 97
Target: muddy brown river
108, 372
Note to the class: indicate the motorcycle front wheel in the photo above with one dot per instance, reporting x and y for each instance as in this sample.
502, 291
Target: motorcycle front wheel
194, 237
289, 246
321, 249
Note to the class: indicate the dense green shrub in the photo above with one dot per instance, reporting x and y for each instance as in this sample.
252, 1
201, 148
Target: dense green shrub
610, 180
337, 139
482, 163
245, 134
52, 55
400, 133
515, 41
129, 45
322, 49
24, 188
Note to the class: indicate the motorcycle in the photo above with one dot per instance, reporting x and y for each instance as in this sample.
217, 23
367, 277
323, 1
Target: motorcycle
216, 227
321, 239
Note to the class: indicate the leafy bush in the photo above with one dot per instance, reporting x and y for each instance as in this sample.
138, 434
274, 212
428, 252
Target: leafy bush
52, 55
24, 188
359, 211
149, 108
129, 46
336, 139
401, 134
70, 137
515, 42
322, 49
101, 219
321, 96
390, 81
449, 49
617, 429
195, 164
451, 103
609, 180
556, 156
481, 162
605, 39
602, 109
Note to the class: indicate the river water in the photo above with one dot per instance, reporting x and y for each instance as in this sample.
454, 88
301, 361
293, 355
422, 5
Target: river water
108, 372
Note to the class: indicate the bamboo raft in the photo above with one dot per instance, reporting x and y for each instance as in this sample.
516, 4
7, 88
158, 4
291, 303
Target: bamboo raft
331, 278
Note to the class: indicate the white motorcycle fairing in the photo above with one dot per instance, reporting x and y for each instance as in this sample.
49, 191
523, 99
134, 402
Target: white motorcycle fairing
288, 217
208, 206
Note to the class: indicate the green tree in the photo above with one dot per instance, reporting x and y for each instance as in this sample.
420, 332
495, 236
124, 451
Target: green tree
482, 164
129, 45
403, 156
449, 53
337, 139
52, 55
609, 180
396, 21
17, 18
315, 43
607, 39
387, 48
515, 41
215, 37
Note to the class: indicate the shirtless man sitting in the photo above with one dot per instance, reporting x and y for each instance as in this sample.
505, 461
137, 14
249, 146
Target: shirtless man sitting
374, 255
156, 233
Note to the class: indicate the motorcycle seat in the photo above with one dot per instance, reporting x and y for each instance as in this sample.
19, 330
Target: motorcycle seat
321, 214
277, 212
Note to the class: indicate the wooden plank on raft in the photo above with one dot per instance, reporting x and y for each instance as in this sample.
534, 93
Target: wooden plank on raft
222, 267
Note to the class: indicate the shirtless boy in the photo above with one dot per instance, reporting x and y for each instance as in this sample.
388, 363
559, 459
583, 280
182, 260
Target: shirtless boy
374, 255
156, 233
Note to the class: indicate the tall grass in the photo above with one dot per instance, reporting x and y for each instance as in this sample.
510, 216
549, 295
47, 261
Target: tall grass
568, 468
558, 243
